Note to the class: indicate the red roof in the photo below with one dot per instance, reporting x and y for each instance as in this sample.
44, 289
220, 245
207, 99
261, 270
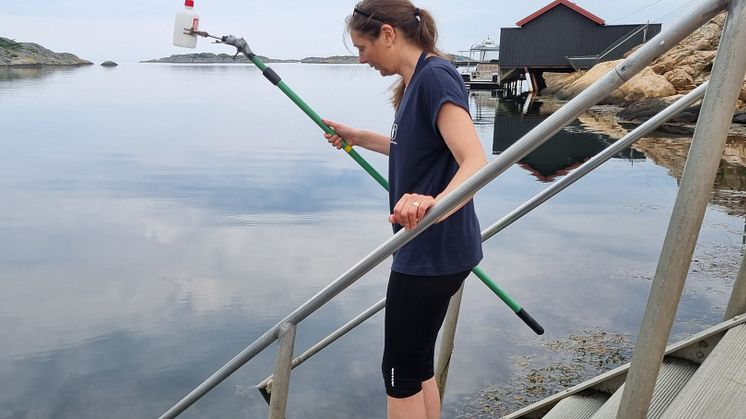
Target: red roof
556, 3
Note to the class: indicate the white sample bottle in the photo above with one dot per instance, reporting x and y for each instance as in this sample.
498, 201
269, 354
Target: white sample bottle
185, 20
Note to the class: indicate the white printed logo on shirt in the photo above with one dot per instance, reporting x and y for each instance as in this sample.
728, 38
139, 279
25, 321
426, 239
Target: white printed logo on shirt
394, 129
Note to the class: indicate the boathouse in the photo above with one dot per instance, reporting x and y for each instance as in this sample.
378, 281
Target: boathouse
564, 37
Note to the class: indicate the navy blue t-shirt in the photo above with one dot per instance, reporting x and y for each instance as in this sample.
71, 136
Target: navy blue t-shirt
421, 162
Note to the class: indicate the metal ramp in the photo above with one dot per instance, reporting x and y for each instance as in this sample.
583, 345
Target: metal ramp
579, 406
718, 388
675, 373
702, 377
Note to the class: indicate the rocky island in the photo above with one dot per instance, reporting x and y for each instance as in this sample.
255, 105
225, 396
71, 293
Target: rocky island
210, 58
28, 54
335, 59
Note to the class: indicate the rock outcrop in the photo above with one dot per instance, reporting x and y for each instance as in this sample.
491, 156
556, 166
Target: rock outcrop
27, 54
335, 59
694, 55
109, 64
644, 85
680, 70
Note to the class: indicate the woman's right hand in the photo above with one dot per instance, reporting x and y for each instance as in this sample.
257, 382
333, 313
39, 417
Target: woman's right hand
343, 132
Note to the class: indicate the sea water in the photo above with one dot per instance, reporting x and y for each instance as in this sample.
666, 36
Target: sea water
156, 219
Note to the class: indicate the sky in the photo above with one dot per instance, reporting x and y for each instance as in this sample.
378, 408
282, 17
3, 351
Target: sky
135, 30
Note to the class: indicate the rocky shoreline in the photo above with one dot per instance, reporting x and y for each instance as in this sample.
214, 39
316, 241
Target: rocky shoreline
676, 73
28, 54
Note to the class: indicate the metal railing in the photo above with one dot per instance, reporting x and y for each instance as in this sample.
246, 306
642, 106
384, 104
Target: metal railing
612, 150
730, 65
626, 42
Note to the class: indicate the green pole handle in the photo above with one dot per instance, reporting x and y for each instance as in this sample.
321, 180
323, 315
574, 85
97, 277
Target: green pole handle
517, 309
275, 79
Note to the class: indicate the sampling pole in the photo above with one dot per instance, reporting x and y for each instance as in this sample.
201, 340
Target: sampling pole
243, 48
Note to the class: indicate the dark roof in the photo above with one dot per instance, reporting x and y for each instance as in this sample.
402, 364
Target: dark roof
556, 3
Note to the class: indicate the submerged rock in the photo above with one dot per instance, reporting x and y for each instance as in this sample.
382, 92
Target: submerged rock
639, 112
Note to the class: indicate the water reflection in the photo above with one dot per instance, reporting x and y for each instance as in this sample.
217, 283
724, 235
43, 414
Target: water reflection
729, 190
483, 107
562, 153
33, 73
150, 232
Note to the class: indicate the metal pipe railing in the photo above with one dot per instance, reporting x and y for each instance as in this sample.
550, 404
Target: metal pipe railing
619, 42
694, 194
644, 129
533, 139
264, 385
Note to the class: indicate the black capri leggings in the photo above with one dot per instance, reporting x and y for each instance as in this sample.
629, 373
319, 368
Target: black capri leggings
415, 309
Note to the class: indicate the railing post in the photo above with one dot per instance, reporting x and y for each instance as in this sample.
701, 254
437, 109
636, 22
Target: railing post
446, 341
281, 384
737, 303
686, 220
361, 318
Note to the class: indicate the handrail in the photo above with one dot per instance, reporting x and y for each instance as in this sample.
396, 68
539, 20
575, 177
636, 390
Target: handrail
533, 139
644, 129
622, 40
596, 58
323, 343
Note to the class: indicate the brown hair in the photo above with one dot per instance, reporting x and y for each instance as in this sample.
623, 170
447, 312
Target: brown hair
415, 24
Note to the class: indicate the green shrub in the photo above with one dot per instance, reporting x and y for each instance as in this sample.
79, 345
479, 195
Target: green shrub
9, 45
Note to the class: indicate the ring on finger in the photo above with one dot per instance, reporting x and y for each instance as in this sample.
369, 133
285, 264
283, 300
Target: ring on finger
416, 204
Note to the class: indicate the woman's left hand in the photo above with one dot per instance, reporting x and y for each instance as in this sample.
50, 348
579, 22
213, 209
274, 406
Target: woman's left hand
410, 209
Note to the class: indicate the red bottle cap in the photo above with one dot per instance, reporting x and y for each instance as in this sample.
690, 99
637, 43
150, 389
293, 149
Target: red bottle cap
189, 3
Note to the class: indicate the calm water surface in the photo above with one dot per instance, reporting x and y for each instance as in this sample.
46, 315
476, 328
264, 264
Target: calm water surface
156, 219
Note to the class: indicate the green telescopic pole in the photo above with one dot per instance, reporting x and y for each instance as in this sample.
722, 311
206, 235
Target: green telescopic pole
275, 79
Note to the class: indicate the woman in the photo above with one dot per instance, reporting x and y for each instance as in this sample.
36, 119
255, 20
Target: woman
433, 147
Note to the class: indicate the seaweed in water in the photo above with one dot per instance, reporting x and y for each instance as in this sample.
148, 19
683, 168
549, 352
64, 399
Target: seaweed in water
562, 364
